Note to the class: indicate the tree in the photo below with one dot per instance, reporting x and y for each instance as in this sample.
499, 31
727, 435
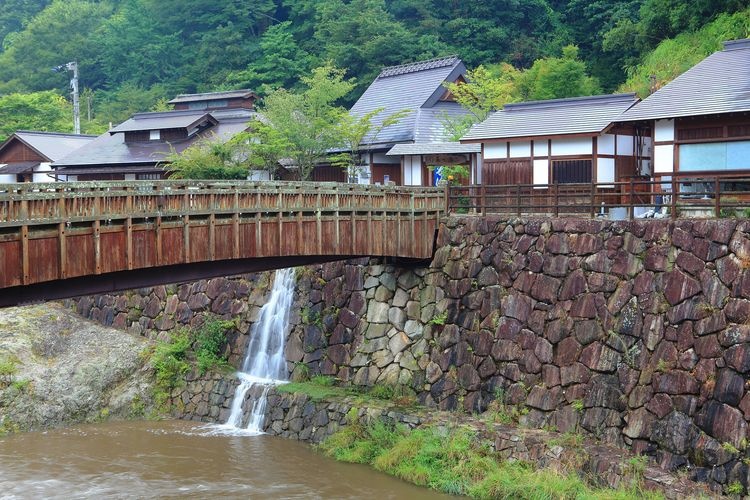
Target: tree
557, 77
353, 130
60, 33
301, 127
46, 111
279, 63
210, 158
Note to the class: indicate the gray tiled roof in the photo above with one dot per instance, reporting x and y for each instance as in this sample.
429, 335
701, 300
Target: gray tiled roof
415, 88
433, 148
718, 84
162, 120
53, 145
210, 96
111, 149
21, 167
576, 115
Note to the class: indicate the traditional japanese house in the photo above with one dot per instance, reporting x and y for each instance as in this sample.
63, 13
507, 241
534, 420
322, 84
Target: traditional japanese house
700, 124
26, 155
420, 136
137, 149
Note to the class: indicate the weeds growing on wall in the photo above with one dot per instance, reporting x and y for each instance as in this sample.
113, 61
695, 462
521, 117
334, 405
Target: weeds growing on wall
454, 461
201, 348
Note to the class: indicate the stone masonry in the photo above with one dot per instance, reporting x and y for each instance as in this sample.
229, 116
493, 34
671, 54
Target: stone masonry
633, 332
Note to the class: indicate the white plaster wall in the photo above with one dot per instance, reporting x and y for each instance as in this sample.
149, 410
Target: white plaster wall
605, 170
520, 149
131, 177
624, 145
605, 145
572, 146
40, 173
664, 130
7, 179
541, 172
412, 171
382, 158
541, 148
663, 158
496, 150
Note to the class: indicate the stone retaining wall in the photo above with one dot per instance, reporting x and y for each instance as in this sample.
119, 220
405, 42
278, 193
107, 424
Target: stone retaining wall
633, 332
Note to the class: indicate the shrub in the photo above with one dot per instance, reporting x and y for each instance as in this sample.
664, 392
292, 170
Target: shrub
210, 341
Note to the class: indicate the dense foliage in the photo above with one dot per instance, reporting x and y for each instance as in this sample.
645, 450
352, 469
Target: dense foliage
135, 53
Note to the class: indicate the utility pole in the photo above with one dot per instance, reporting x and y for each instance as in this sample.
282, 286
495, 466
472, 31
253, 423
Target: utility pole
73, 66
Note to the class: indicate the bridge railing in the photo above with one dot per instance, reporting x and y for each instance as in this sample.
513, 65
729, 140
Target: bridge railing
50, 203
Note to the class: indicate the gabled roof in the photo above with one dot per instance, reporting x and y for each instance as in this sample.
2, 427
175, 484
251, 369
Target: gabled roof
212, 96
50, 145
575, 115
111, 149
718, 84
413, 87
21, 167
162, 120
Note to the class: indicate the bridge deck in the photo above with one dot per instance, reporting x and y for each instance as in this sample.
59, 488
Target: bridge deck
59, 231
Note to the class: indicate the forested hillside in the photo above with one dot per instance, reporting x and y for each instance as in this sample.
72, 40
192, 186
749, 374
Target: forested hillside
135, 53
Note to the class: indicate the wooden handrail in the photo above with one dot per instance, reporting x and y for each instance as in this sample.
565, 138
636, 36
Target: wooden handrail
694, 195
51, 203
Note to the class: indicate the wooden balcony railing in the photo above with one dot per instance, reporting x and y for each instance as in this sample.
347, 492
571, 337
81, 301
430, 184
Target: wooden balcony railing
677, 196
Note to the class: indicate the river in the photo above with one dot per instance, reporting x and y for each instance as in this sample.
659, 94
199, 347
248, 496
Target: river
173, 459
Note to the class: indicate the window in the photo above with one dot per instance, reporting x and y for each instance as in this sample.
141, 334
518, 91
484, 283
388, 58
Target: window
571, 171
715, 156
148, 177
154, 135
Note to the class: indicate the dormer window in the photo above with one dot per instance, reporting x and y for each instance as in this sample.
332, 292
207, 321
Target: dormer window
154, 135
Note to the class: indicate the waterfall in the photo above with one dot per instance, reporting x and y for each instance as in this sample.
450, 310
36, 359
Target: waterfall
264, 365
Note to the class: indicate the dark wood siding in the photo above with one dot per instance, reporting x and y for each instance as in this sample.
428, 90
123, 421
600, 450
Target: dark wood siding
17, 151
571, 171
506, 172
380, 170
329, 173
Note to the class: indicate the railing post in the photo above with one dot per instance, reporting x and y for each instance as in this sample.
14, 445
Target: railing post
556, 208
631, 197
483, 200
447, 197
674, 197
518, 199
593, 200
717, 197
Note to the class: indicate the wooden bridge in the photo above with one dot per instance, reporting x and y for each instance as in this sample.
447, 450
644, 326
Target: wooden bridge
61, 240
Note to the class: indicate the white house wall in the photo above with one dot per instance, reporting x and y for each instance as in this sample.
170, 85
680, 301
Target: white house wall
40, 173
664, 130
541, 172
495, 150
663, 158
520, 149
572, 147
605, 170
606, 144
412, 170
625, 145
382, 158
7, 179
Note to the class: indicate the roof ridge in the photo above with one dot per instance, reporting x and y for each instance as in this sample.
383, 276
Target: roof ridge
171, 112
572, 100
437, 62
60, 134
742, 43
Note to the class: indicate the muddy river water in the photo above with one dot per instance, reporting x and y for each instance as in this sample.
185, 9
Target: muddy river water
180, 459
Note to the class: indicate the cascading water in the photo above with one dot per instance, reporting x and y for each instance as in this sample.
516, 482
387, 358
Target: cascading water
264, 364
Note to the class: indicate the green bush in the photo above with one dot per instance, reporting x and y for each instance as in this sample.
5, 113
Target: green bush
8, 370
455, 461
169, 360
210, 342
